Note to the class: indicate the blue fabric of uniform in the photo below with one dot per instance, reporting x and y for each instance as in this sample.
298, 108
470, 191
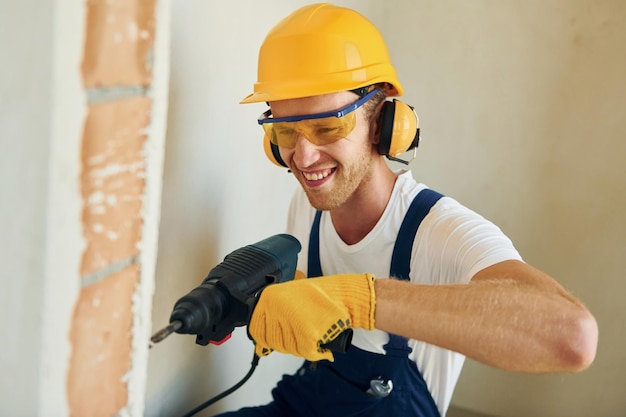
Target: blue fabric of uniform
314, 263
339, 389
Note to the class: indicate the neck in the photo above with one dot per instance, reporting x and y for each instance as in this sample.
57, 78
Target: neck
358, 216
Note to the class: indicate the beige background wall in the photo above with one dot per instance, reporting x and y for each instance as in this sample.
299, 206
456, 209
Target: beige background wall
523, 116
523, 110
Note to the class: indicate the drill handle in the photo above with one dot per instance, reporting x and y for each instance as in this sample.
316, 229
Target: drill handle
341, 343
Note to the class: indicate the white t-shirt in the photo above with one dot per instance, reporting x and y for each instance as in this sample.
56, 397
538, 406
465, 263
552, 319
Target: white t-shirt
451, 245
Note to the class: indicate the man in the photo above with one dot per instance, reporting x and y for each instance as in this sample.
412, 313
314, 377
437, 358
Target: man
421, 280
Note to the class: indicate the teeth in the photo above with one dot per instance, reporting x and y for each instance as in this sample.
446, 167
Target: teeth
316, 176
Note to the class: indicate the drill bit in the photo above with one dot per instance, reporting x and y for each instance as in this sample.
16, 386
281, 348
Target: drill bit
164, 332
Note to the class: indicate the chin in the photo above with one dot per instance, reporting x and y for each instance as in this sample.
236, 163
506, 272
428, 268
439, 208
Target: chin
324, 203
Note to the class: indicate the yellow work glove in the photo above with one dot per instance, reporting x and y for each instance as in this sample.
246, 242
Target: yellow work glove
297, 317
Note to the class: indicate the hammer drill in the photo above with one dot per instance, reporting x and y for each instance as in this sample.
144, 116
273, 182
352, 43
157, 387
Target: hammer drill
227, 296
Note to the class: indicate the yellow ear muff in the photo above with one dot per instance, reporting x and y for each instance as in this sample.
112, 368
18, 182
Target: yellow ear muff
399, 128
272, 153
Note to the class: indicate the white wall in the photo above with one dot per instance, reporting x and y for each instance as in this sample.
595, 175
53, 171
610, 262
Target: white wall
39, 202
522, 112
25, 122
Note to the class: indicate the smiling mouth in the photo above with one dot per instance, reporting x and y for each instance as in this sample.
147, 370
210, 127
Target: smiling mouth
317, 176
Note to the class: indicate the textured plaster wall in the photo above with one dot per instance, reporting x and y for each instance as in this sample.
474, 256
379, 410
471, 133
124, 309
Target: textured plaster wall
110, 324
82, 104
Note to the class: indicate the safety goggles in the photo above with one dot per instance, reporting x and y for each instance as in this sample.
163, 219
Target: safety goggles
319, 129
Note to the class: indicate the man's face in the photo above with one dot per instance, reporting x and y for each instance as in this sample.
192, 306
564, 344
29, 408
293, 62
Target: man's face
329, 174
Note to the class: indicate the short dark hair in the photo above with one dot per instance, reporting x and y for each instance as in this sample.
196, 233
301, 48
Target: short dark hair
372, 104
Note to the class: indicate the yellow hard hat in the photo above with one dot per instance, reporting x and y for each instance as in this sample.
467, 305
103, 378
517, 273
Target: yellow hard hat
320, 49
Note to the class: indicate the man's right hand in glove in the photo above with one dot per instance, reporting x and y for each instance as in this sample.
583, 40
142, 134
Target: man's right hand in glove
297, 317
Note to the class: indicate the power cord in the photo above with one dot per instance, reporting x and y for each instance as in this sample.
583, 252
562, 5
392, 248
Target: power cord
255, 362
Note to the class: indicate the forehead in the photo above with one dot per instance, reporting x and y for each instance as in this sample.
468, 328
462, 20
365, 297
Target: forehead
311, 105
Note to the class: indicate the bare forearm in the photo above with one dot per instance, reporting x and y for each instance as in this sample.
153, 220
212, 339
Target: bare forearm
529, 324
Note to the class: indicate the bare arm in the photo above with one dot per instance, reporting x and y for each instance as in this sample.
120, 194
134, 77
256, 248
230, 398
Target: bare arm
511, 316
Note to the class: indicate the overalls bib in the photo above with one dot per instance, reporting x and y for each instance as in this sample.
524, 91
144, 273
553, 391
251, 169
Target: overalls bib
339, 388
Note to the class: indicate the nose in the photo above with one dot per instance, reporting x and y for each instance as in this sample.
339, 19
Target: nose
305, 153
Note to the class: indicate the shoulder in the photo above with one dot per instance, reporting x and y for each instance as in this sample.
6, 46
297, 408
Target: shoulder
453, 242
460, 242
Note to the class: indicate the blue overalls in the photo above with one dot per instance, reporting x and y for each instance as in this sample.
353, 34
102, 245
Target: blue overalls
340, 388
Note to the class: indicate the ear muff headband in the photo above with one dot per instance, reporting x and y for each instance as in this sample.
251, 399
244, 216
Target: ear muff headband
272, 152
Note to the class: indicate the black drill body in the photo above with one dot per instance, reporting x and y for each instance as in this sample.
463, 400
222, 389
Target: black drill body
227, 296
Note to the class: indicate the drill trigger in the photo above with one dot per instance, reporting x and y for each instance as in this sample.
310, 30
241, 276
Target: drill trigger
219, 342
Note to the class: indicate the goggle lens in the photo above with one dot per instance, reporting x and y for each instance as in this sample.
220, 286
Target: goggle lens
319, 129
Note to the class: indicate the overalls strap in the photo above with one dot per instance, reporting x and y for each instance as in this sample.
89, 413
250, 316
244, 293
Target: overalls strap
401, 257
419, 208
315, 268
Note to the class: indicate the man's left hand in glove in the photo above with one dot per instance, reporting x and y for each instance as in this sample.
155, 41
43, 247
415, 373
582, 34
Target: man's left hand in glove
297, 317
